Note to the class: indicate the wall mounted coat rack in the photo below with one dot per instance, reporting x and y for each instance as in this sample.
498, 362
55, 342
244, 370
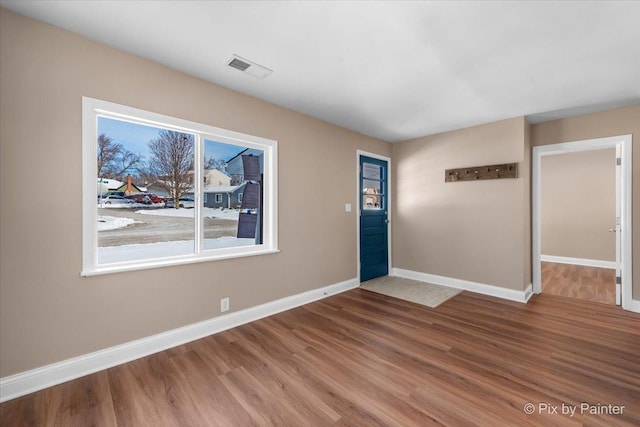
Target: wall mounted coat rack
507, 170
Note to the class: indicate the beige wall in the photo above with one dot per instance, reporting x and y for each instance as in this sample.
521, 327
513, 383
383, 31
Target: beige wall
621, 121
47, 311
476, 231
578, 204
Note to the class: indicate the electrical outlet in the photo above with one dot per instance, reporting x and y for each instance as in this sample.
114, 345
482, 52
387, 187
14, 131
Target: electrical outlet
224, 305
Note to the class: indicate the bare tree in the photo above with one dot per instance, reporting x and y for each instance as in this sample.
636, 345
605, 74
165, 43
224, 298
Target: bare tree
127, 164
171, 160
107, 152
213, 163
114, 161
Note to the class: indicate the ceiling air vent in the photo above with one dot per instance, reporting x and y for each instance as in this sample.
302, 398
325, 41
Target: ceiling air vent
239, 64
249, 67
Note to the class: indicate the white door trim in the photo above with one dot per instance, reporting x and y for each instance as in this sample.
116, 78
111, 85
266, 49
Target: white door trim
624, 197
360, 153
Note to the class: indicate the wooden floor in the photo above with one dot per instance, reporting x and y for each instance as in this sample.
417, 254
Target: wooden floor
578, 281
364, 359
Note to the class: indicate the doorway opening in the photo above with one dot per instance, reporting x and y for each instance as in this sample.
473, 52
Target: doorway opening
582, 219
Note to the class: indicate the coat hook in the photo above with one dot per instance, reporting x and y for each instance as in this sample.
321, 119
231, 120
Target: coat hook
482, 172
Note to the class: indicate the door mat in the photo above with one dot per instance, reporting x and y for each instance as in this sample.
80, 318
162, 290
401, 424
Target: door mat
410, 290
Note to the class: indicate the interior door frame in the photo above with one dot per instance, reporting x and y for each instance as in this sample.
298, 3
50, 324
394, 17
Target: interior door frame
359, 154
623, 195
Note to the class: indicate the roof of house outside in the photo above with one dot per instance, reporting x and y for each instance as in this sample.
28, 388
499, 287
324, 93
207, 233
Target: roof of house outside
223, 189
215, 176
247, 151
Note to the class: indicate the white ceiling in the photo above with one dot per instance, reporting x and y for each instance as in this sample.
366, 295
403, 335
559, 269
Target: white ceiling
389, 69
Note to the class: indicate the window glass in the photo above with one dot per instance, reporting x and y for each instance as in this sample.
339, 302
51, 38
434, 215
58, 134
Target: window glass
141, 170
371, 186
371, 171
225, 177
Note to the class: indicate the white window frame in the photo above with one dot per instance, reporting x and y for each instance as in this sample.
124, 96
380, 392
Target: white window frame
217, 198
93, 108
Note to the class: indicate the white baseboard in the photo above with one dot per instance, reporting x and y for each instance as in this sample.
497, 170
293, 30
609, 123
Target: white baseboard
579, 261
37, 379
633, 305
481, 288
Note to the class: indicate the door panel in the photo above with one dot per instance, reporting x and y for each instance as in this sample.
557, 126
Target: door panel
374, 239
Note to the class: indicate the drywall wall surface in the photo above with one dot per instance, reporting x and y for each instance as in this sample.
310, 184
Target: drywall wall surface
525, 174
49, 313
473, 230
619, 121
578, 197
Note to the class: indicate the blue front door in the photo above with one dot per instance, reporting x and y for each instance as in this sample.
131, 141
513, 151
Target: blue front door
374, 241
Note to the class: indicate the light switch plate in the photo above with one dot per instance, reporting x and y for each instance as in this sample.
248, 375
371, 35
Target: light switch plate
347, 207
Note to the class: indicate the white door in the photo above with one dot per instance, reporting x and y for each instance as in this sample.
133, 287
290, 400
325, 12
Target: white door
617, 228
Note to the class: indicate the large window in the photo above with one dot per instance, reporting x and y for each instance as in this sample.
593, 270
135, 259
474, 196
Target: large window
148, 182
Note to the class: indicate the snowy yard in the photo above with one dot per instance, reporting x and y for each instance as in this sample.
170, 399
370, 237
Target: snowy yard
128, 235
111, 254
188, 213
107, 222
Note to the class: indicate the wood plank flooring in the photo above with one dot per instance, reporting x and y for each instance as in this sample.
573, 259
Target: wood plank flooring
365, 359
578, 281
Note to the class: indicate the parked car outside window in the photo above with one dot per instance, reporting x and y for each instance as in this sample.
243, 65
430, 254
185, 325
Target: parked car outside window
139, 198
156, 199
183, 202
114, 200
115, 193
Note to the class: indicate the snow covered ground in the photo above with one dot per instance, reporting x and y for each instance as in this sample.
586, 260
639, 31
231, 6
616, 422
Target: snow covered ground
188, 213
106, 222
111, 254
141, 251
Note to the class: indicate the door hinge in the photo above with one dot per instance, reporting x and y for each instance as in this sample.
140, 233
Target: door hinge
618, 161
618, 280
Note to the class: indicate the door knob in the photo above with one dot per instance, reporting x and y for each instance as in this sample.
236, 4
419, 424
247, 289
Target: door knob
612, 230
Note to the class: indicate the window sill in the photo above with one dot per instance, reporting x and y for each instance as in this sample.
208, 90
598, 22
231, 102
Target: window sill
157, 263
